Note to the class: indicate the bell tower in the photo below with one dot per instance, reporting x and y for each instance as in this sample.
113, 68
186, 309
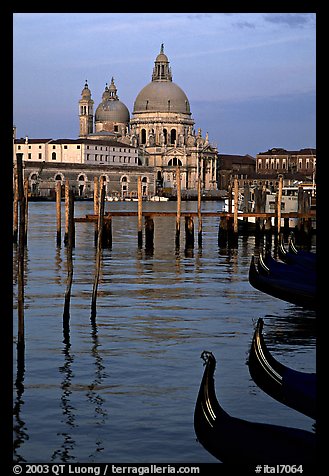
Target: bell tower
86, 114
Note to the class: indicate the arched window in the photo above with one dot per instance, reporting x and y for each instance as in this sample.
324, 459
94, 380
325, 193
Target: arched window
165, 133
58, 177
172, 136
81, 178
124, 186
53, 156
175, 162
143, 136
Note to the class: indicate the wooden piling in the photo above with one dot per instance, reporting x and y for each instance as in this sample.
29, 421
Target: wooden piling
179, 199
199, 214
222, 232
189, 232
15, 207
96, 206
69, 246
149, 233
58, 213
140, 213
21, 251
67, 208
236, 206
278, 212
26, 195
99, 248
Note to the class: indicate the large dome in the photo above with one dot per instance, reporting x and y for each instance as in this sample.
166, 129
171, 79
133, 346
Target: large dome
162, 96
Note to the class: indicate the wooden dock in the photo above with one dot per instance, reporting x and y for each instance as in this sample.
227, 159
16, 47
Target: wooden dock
124, 213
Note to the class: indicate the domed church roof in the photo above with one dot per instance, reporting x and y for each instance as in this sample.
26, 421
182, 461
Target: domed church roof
162, 94
111, 109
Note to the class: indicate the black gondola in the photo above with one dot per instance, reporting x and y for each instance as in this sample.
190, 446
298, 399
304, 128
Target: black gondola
234, 440
295, 389
271, 267
304, 258
285, 287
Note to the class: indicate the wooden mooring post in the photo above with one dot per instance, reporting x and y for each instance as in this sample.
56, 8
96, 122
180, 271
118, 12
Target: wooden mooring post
96, 205
189, 232
69, 233
100, 223
15, 207
179, 205
58, 213
21, 252
140, 213
69, 245
199, 214
149, 233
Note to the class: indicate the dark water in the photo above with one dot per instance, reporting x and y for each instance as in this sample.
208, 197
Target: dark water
124, 389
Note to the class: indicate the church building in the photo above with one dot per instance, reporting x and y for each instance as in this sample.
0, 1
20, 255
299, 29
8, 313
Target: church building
153, 141
161, 127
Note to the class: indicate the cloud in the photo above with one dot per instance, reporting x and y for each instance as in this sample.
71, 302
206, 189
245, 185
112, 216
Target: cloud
294, 20
245, 24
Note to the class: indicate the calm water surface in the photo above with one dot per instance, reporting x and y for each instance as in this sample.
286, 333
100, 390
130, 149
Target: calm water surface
124, 389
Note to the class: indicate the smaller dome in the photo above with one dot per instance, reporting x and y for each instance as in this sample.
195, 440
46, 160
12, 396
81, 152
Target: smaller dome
111, 109
85, 93
162, 58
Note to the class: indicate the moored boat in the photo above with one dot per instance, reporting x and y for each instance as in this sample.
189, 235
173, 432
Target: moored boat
286, 287
235, 440
304, 258
288, 386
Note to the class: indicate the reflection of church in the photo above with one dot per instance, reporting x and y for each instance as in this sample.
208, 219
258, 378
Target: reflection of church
161, 127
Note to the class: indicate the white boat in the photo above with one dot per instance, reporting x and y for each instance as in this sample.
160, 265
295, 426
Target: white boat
289, 202
157, 198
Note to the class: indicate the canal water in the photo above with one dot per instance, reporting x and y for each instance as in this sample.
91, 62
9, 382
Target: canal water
124, 389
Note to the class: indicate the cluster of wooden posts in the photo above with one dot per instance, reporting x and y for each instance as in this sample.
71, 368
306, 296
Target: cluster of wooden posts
227, 233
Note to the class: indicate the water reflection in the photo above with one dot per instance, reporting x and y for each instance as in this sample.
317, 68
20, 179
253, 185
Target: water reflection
19, 427
93, 395
155, 312
65, 453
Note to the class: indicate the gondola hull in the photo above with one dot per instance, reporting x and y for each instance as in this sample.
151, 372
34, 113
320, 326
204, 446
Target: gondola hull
234, 440
290, 387
285, 287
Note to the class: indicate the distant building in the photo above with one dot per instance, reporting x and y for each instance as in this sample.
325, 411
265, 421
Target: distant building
292, 165
232, 166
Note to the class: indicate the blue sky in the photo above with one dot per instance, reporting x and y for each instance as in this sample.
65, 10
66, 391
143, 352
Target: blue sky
250, 77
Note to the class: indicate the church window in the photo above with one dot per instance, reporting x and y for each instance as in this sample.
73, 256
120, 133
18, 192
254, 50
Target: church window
172, 136
143, 136
53, 156
174, 162
165, 133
